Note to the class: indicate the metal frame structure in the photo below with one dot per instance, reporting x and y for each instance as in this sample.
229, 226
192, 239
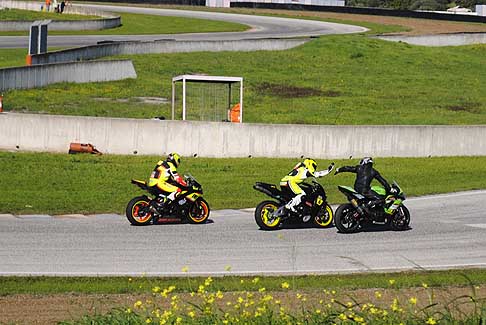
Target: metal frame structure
202, 78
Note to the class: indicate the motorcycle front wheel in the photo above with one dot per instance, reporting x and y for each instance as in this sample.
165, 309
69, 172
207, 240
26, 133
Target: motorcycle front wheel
324, 217
199, 212
345, 220
264, 215
137, 213
401, 219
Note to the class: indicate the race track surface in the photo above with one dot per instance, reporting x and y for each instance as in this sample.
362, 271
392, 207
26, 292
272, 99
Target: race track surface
261, 27
447, 231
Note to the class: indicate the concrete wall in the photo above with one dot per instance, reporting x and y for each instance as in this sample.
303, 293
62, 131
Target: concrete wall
98, 51
338, 3
109, 20
216, 139
42, 75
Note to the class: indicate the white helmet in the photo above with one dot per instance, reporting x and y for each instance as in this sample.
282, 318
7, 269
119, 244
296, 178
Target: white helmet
366, 160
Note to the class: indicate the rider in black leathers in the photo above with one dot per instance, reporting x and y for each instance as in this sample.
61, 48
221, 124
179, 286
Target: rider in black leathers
365, 173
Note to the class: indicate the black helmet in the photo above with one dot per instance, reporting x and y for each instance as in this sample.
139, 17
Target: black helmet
366, 160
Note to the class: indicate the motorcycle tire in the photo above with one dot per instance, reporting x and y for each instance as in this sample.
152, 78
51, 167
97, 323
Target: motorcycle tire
401, 219
199, 212
324, 218
133, 209
344, 219
263, 218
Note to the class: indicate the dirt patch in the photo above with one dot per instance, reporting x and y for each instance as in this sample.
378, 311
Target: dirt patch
465, 107
288, 91
50, 309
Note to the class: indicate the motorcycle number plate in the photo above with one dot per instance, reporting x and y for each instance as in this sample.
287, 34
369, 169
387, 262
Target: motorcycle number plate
319, 200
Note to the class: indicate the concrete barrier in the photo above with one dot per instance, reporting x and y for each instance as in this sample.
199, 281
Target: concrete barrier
164, 46
34, 132
108, 20
43, 75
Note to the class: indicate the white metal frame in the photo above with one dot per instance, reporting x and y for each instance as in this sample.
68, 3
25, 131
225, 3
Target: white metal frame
201, 78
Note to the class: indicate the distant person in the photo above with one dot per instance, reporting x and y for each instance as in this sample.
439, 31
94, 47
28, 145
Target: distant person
56, 6
48, 5
63, 4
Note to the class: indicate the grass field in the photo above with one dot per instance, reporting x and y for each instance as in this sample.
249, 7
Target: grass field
61, 183
131, 24
338, 80
388, 298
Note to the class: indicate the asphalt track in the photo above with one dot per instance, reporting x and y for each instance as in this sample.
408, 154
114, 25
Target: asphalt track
447, 231
260, 27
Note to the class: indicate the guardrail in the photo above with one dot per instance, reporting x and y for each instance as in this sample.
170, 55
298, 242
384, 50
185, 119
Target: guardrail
107, 20
164, 46
54, 133
43, 75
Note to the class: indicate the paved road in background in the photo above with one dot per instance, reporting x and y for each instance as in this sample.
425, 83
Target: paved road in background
261, 27
447, 231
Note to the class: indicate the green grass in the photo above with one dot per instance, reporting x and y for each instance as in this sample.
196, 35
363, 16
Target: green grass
132, 24
117, 285
348, 79
18, 14
62, 183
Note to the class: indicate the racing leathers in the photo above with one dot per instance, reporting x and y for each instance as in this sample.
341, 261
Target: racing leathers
364, 176
290, 183
165, 180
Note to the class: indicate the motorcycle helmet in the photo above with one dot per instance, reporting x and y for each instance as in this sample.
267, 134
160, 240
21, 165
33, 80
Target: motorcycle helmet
174, 158
366, 160
310, 164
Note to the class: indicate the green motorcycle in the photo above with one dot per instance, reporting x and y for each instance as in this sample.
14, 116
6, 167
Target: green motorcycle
360, 211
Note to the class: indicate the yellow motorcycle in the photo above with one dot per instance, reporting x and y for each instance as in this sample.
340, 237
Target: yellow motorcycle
188, 206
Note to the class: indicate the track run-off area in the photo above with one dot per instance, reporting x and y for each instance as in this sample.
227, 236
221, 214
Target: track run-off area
259, 27
447, 231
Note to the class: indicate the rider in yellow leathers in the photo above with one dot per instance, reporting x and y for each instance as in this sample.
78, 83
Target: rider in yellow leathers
290, 183
165, 180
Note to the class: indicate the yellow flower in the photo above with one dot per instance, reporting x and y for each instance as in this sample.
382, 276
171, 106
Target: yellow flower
391, 282
285, 285
431, 321
255, 280
227, 268
128, 311
148, 321
178, 320
378, 294
343, 316
185, 269
333, 292
413, 300
208, 281
425, 285
155, 289
261, 289
219, 295
299, 296
242, 281
318, 311
137, 304
129, 279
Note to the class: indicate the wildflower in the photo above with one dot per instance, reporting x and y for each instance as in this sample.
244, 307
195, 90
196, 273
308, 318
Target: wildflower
413, 300
137, 304
285, 285
333, 292
391, 282
318, 311
378, 294
178, 320
278, 302
128, 311
208, 281
358, 319
219, 295
431, 321
261, 289
148, 321
240, 300
349, 304
343, 316
185, 269
129, 279
227, 268
242, 281
299, 296
425, 285
155, 289
255, 280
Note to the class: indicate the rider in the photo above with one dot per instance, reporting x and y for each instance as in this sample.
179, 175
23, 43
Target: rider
165, 181
365, 173
290, 183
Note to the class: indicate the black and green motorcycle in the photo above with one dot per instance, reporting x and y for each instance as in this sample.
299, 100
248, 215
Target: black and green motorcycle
353, 216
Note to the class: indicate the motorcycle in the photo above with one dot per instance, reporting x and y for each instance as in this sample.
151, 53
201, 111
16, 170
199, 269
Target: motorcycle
351, 217
269, 215
188, 206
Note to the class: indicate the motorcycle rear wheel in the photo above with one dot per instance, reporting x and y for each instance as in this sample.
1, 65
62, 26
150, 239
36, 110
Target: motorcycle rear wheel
134, 213
344, 219
199, 212
263, 215
324, 217
401, 219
